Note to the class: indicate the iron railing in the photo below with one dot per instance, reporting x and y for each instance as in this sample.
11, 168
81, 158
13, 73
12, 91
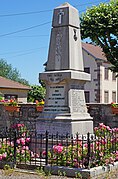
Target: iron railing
80, 151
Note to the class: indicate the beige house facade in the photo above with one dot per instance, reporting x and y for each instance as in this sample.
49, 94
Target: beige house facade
10, 89
103, 85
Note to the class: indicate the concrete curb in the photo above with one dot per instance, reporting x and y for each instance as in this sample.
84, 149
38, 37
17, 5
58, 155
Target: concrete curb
86, 173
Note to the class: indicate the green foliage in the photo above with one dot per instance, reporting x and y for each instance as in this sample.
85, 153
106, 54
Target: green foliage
78, 175
36, 93
115, 105
100, 24
7, 71
8, 170
42, 83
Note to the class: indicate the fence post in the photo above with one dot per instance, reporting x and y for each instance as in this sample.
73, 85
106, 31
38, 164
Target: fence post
89, 150
46, 148
15, 147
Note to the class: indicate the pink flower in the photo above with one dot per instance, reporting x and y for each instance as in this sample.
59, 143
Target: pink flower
32, 154
4, 155
116, 158
92, 145
97, 143
19, 125
86, 145
107, 161
75, 160
27, 139
37, 155
24, 134
25, 148
8, 143
95, 128
108, 128
18, 141
59, 144
22, 151
113, 140
44, 153
58, 149
18, 151
101, 154
115, 130
117, 152
0, 156
102, 126
22, 140
11, 144
103, 141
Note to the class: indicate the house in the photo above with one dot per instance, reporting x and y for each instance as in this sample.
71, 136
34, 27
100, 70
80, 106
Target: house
11, 89
103, 85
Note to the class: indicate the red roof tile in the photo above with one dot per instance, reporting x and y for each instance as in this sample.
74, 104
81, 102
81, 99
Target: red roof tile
6, 83
95, 51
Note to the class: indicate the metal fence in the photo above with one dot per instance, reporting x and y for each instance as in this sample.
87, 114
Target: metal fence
21, 146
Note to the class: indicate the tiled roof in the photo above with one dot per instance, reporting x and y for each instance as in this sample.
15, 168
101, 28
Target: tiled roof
6, 83
95, 51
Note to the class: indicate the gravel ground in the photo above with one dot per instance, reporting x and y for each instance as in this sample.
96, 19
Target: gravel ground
11, 174
22, 174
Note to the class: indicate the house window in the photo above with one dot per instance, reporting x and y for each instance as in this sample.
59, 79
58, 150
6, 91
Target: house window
106, 73
87, 69
114, 96
11, 96
87, 96
113, 76
106, 96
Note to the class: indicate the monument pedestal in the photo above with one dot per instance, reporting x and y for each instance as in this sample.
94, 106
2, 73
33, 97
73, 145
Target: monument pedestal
65, 110
64, 127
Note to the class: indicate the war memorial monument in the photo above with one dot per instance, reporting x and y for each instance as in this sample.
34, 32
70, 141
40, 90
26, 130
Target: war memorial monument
65, 109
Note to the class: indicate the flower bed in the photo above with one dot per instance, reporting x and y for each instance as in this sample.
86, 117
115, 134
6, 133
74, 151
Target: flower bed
14, 147
102, 149
71, 151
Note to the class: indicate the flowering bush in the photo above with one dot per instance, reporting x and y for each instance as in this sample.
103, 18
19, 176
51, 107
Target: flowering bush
72, 155
103, 150
11, 102
23, 152
115, 105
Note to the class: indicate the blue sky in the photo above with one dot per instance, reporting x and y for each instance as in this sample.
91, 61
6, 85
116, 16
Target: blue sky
25, 27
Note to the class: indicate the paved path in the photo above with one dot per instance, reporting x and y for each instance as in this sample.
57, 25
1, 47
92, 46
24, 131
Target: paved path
22, 174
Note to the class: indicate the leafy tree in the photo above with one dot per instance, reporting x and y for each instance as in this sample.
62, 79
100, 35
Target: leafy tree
6, 70
100, 24
36, 93
42, 83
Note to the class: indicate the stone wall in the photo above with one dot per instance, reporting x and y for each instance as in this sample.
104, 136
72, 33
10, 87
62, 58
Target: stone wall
28, 114
102, 113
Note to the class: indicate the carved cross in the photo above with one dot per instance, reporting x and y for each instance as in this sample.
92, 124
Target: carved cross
61, 13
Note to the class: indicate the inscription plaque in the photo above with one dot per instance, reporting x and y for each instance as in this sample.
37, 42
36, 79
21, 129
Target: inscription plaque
78, 101
56, 99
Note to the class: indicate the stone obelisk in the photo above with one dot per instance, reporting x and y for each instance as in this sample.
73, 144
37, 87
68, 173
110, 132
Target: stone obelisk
65, 110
